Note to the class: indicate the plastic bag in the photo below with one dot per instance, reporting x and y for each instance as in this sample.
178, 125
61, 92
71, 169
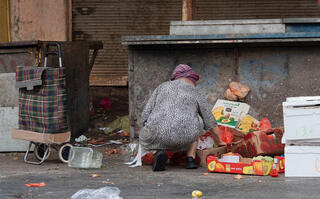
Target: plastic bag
265, 124
149, 157
225, 134
120, 123
105, 103
230, 96
205, 141
129, 151
102, 193
238, 89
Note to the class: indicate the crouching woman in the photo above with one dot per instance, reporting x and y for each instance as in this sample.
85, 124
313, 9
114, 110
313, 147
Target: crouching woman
174, 117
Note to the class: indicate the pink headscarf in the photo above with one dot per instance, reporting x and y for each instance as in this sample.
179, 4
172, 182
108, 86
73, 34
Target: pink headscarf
183, 70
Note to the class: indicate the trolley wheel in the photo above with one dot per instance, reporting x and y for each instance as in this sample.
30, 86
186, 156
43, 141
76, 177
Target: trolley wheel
64, 152
39, 151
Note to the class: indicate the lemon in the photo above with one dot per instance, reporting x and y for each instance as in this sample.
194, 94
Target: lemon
217, 115
196, 194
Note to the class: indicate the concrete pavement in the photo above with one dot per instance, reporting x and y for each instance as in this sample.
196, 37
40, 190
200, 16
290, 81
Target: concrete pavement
177, 182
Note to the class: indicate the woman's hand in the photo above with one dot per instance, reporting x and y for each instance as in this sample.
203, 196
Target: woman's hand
216, 137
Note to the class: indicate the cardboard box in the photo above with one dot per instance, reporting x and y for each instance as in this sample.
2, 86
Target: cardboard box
266, 142
301, 117
245, 166
227, 113
202, 154
302, 161
41, 137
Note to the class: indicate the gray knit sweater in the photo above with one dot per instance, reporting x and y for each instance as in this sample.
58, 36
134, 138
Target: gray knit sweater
174, 117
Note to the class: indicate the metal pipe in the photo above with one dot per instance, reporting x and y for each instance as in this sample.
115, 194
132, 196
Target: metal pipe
187, 10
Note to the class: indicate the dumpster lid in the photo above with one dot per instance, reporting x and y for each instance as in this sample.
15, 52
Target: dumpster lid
303, 98
302, 101
34, 43
19, 44
222, 39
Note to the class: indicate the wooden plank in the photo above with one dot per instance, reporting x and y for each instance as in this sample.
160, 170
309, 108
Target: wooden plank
41, 137
108, 80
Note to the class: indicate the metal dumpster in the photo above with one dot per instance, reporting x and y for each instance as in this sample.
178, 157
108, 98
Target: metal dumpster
274, 65
75, 56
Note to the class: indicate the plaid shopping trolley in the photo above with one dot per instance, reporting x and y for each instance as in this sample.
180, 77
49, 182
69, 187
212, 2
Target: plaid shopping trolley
43, 103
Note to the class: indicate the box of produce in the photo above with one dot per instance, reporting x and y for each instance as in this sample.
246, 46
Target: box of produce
202, 154
228, 113
238, 165
265, 142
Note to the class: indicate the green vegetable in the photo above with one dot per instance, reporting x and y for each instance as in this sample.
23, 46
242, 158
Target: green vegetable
266, 158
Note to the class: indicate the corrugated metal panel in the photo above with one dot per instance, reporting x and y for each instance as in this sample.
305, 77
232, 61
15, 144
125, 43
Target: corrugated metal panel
250, 9
108, 20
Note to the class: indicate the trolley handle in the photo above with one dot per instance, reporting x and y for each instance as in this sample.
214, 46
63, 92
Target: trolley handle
57, 52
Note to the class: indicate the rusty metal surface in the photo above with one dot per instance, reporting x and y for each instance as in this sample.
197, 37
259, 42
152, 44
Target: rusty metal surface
272, 73
14, 44
13, 54
9, 93
9, 61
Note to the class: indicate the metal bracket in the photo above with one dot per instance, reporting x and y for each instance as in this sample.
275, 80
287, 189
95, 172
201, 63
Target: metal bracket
32, 162
93, 57
131, 67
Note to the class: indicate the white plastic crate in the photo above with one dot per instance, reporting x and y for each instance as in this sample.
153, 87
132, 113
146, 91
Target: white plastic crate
302, 161
301, 117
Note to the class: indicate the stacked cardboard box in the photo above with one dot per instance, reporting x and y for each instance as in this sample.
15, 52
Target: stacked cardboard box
302, 136
264, 142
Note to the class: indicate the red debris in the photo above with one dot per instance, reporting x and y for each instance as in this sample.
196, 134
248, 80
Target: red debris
41, 184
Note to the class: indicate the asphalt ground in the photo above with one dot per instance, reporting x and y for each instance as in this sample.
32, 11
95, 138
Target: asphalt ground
176, 182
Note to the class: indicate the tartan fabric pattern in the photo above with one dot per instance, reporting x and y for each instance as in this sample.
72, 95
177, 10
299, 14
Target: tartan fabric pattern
24, 74
44, 108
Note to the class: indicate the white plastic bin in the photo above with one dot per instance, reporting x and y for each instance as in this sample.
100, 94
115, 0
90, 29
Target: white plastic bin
301, 117
302, 161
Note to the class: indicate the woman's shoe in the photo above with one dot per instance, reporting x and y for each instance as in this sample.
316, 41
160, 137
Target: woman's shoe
159, 161
191, 163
